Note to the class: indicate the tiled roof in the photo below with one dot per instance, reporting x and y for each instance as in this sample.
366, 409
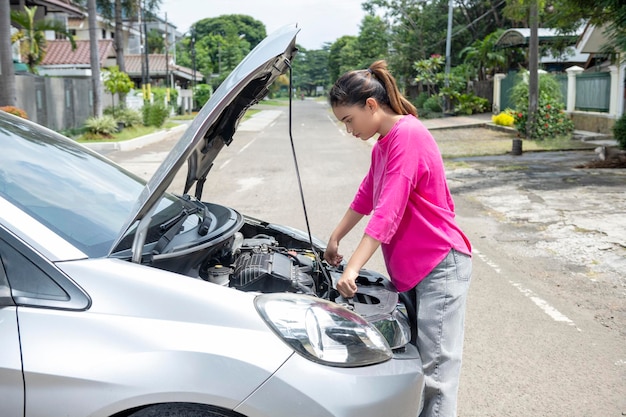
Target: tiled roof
64, 6
59, 52
157, 66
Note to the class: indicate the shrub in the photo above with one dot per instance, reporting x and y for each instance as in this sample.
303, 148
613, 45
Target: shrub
619, 131
201, 94
129, 117
154, 114
433, 104
15, 111
105, 125
505, 118
418, 102
548, 85
471, 103
551, 120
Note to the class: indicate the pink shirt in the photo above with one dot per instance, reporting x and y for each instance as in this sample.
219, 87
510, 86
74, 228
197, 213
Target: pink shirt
413, 211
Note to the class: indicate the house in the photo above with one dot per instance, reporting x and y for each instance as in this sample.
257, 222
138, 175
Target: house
160, 70
62, 61
593, 88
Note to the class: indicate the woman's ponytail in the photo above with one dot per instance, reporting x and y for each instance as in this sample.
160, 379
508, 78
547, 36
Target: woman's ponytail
355, 87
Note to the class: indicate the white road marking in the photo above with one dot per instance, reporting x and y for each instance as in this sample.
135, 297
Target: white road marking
555, 314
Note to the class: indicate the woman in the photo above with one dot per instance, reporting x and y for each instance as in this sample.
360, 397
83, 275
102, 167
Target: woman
412, 220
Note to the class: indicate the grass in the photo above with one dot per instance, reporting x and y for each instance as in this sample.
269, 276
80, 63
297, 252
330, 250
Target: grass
127, 133
138, 131
480, 141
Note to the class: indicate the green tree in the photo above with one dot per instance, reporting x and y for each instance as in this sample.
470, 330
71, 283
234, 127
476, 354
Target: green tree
483, 55
156, 43
116, 82
568, 15
310, 70
418, 28
373, 40
219, 44
32, 36
116, 11
336, 55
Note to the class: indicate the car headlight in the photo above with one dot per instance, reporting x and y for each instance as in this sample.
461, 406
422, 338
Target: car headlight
323, 331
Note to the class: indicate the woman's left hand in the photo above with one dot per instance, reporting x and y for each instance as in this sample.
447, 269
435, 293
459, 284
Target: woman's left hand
347, 284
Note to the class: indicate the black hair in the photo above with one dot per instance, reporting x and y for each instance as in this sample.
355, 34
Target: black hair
355, 87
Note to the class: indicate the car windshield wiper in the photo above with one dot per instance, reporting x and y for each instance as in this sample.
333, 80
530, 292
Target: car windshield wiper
171, 227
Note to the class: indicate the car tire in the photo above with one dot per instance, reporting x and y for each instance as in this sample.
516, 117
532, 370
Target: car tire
183, 410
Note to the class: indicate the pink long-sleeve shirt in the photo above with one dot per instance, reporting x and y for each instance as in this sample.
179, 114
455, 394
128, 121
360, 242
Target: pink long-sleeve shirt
413, 212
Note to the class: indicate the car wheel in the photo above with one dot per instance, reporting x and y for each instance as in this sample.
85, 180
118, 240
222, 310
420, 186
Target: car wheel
183, 410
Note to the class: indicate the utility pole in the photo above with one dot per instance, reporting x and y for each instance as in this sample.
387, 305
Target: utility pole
448, 50
533, 69
167, 46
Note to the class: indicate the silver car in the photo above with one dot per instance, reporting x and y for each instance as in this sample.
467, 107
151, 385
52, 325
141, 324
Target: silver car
118, 299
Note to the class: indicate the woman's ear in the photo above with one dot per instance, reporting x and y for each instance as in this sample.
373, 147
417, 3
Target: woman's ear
371, 104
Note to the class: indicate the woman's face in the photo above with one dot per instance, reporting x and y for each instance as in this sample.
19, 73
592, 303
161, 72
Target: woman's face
359, 120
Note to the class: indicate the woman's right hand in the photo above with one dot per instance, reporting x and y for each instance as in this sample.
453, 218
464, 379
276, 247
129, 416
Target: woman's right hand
331, 255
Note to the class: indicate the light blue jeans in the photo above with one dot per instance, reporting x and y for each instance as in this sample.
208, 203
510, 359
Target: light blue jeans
440, 307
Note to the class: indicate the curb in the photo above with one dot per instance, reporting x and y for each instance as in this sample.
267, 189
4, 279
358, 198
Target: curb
132, 144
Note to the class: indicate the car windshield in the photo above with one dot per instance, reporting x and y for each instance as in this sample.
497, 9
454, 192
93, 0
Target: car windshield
78, 194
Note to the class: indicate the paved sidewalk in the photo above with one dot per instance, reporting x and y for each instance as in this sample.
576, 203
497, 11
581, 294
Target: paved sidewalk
264, 118
457, 122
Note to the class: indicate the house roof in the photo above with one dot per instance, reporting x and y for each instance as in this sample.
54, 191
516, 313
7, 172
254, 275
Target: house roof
157, 66
59, 52
520, 36
64, 6
593, 39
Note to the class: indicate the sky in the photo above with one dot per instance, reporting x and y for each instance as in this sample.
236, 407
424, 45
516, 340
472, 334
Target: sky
320, 21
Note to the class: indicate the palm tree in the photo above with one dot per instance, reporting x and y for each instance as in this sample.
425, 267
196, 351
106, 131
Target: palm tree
32, 35
7, 72
482, 54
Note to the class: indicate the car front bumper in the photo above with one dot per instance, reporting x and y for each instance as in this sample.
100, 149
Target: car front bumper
304, 388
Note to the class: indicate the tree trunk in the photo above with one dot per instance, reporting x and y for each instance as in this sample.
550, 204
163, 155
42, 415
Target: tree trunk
8, 93
533, 69
119, 45
119, 36
94, 58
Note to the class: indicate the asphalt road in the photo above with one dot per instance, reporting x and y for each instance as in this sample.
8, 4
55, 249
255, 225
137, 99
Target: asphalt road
545, 332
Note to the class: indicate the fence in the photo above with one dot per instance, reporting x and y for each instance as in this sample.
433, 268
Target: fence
592, 91
57, 103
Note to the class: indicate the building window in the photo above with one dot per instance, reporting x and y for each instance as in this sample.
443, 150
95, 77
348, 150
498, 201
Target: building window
104, 34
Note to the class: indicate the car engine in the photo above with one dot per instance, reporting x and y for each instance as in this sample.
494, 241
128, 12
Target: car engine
260, 264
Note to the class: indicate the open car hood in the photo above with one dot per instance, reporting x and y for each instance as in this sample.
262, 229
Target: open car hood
215, 125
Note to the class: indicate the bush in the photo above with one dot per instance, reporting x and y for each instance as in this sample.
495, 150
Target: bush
551, 120
15, 111
548, 85
619, 131
154, 114
104, 126
201, 94
433, 104
505, 118
420, 99
129, 117
470, 104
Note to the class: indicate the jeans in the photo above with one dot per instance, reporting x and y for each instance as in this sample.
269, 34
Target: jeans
440, 307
